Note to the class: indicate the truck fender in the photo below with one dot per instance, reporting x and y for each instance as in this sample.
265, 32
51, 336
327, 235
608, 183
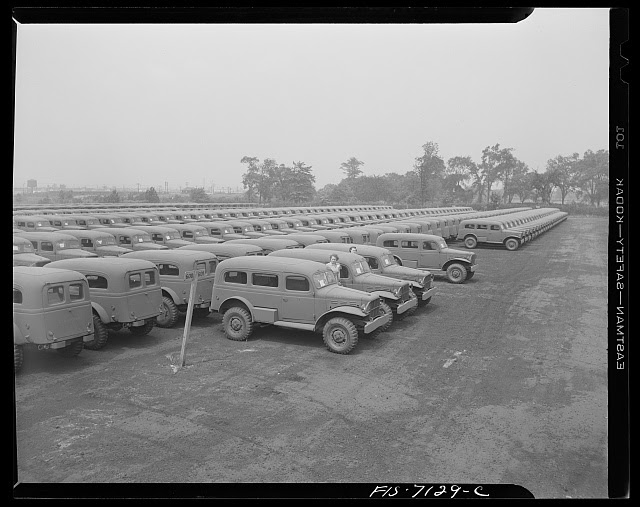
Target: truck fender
172, 294
455, 259
351, 310
18, 337
229, 302
384, 294
102, 313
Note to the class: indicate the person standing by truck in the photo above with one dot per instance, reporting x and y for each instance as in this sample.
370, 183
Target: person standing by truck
334, 266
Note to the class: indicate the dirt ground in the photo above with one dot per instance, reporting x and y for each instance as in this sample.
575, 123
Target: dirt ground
502, 379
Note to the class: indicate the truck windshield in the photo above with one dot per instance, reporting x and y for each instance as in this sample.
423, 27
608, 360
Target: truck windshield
441, 243
69, 243
26, 247
105, 241
173, 235
360, 267
388, 260
324, 279
142, 238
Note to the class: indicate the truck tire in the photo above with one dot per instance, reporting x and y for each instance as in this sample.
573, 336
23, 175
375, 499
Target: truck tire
470, 242
340, 335
237, 324
73, 349
387, 311
18, 357
456, 273
143, 330
511, 244
100, 334
169, 315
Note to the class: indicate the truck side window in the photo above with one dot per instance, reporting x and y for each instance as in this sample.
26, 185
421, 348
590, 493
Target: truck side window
86, 242
482, 226
264, 280
235, 277
157, 237
149, 278
409, 244
55, 295
469, 226
168, 269
299, 283
75, 292
124, 240
495, 227
344, 272
373, 262
17, 296
97, 282
187, 234
135, 280
46, 246
390, 243
426, 245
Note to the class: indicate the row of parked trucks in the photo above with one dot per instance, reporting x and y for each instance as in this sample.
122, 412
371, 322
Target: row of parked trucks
73, 286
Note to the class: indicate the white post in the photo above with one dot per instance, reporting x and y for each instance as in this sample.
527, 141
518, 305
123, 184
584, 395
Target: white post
187, 322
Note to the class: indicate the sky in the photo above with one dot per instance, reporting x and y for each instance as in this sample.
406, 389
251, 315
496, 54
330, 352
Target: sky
123, 105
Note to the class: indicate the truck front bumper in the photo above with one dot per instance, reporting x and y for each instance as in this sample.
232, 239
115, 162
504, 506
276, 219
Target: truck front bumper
407, 305
370, 327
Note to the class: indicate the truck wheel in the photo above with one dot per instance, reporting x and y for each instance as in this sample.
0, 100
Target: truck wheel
456, 273
143, 330
100, 335
237, 324
72, 350
511, 244
169, 315
387, 311
470, 242
18, 357
340, 335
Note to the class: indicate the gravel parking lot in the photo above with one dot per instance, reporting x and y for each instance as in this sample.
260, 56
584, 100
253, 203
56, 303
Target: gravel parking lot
502, 379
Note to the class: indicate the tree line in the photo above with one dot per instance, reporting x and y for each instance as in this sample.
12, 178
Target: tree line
498, 177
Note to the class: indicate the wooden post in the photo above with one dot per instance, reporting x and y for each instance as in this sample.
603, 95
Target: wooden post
187, 322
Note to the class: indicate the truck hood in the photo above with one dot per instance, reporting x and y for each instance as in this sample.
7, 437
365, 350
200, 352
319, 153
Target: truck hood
206, 240
74, 253
148, 246
29, 259
405, 273
177, 243
347, 296
228, 237
455, 253
112, 250
372, 282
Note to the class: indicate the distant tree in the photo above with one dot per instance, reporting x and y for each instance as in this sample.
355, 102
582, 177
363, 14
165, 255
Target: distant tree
251, 178
544, 184
496, 164
520, 184
460, 176
430, 170
198, 194
593, 180
302, 187
112, 197
151, 195
351, 167
565, 173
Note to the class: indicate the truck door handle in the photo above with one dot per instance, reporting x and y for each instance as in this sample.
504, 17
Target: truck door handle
285, 299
